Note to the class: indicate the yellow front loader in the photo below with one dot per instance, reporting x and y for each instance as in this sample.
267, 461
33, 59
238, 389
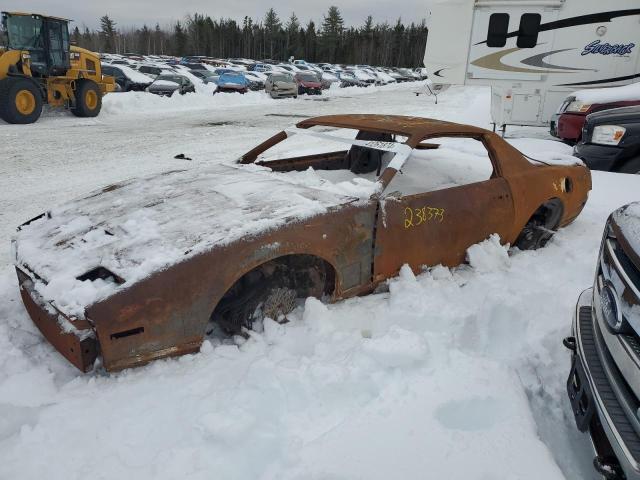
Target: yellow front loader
38, 65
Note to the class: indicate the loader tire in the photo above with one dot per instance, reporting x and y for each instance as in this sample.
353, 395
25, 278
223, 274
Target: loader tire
20, 100
88, 99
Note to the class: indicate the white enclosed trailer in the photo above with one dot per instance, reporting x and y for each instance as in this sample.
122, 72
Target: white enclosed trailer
533, 53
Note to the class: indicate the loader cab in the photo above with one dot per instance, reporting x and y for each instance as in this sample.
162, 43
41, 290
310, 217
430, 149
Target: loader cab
45, 38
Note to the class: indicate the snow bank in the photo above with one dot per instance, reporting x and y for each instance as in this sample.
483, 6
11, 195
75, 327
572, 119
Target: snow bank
611, 94
143, 102
134, 75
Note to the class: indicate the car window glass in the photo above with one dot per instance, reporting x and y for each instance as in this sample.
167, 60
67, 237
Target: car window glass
498, 29
528, 33
447, 162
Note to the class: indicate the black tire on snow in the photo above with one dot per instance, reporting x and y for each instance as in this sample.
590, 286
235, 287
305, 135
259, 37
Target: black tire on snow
81, 109
9, 88
541, 226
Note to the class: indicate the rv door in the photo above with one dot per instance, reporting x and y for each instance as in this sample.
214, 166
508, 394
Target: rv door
447, 49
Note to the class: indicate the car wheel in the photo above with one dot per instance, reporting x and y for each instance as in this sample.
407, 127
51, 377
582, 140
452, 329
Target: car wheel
541, 226
272, 290
20, 100
88, 99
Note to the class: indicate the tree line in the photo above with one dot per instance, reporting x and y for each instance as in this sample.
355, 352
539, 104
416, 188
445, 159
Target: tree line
270, 38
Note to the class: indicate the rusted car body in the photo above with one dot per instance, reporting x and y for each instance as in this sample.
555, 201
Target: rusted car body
140, 270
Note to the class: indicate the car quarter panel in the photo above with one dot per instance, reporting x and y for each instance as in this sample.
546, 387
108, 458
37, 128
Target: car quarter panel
167, 314
534, 183
437, 227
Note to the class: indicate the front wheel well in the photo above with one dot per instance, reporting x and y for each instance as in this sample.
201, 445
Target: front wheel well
307, 275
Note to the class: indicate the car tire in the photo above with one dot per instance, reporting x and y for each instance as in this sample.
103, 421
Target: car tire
88, 99
272, 290
20, 100
541, 226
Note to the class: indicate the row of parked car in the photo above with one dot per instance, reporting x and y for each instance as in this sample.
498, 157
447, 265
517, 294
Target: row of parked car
167, 75
604, 127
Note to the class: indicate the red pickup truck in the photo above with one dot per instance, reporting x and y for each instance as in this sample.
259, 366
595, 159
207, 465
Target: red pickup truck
568, 122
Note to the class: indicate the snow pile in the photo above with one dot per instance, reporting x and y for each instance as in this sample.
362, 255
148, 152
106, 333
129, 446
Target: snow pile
543, 151
625, 93
488, 255
134, 75
143, 102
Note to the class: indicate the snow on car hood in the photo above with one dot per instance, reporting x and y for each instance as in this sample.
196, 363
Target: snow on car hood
141, 226
165, 83
611, 94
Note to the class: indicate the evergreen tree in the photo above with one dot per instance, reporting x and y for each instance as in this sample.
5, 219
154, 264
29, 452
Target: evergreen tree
332, 30
272, 27
371, 43
292, 28
311, 42
179, 40
76, 36
108, 33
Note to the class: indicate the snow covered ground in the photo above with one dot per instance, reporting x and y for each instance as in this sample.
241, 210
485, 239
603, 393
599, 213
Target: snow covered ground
457, 373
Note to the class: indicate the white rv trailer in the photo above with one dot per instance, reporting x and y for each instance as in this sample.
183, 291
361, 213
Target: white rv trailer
533, 53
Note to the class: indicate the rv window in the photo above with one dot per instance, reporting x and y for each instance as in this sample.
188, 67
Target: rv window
498, 29
528, 33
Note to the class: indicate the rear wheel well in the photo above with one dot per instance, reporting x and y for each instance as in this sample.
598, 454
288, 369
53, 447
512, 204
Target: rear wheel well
541, 226
307, 275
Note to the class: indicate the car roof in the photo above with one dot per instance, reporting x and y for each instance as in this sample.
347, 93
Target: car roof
414, 128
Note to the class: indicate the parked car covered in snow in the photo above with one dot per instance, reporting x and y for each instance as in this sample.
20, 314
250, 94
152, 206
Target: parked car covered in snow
604, 381
230, 81
348, 79
205, 76
167, 84
567, 123
143, 269
281, 85
610, 140
309, 83
127, 79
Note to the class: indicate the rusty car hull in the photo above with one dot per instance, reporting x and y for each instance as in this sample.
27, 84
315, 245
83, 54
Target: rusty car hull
169, 310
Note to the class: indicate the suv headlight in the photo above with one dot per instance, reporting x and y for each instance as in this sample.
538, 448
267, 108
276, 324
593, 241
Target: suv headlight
577, 106
607, 134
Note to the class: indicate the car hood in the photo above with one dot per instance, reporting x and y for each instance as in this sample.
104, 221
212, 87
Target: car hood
164, 85
137, 227
622, 114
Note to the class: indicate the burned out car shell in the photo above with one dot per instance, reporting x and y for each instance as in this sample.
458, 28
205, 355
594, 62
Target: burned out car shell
207, 236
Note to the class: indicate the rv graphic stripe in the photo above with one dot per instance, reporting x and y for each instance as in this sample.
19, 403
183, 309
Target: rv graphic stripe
601, 17
599, 82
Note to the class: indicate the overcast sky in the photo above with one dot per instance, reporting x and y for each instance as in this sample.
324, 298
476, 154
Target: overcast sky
135, 13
